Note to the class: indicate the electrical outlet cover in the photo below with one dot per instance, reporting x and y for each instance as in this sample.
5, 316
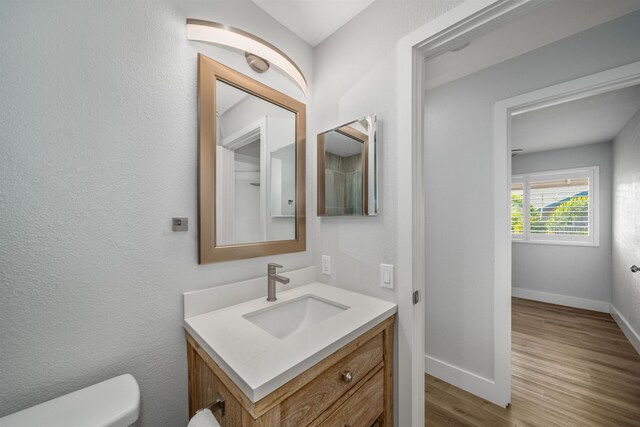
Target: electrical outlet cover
326, 265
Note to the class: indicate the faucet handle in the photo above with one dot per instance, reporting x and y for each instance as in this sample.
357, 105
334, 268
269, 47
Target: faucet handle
273, 265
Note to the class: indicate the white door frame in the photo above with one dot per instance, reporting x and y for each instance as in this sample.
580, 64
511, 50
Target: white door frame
459, 25
593, 84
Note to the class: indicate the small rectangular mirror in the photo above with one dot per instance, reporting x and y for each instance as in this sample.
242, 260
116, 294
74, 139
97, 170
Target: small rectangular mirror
347, 169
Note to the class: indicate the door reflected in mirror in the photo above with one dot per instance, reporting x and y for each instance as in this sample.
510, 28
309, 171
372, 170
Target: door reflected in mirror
255, 168
347, 172
283, 182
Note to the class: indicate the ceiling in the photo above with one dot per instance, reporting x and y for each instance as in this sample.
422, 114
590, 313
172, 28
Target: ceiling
341, 145
227, 96
597, 118
250, 150
550, 22
313, 20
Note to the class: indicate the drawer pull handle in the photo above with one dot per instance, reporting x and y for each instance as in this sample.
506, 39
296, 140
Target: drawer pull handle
347, 376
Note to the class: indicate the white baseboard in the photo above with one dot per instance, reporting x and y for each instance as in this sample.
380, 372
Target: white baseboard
461, 378
587, 304
628, 331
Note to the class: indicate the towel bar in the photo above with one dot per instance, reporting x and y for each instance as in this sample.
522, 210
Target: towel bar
216, 405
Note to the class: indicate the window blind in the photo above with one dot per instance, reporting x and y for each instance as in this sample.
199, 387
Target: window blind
555, 207
560, 207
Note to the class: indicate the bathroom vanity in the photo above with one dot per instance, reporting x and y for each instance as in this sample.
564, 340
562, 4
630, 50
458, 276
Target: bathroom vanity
318, 356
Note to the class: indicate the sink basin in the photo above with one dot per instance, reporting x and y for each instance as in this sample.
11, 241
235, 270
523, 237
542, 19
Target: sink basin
289, 318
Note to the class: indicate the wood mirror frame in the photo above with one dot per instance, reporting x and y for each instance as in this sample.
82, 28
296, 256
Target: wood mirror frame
210, 71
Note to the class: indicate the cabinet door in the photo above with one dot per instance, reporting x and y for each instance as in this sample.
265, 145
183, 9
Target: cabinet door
363, 408
317, 396
203, 386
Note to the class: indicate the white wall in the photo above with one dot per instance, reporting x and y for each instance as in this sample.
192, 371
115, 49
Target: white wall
355, 75
98, 152
459, 164
626, 227
574, 271
281, 133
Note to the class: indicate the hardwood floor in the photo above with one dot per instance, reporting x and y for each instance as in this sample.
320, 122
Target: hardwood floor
570, 367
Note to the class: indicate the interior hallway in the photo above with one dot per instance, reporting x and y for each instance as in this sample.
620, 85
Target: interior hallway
570, 367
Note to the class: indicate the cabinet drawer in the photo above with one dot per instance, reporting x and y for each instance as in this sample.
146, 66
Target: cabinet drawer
314, 398
363, 408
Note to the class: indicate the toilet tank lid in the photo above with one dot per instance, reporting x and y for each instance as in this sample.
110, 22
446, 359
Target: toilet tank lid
111, 403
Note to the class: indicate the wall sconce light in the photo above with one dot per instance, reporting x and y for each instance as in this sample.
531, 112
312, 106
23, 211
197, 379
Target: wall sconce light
255, 48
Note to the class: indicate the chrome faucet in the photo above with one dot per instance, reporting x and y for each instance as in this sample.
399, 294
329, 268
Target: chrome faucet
272, 278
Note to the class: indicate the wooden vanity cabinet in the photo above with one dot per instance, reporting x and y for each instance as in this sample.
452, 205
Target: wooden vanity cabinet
352, 387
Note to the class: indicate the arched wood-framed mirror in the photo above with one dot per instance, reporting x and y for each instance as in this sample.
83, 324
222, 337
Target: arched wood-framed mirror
251, 167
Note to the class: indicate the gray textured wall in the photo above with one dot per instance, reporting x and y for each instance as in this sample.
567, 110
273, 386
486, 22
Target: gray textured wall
98, 152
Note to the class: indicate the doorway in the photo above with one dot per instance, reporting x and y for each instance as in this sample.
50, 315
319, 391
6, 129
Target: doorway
485, 372
562, 141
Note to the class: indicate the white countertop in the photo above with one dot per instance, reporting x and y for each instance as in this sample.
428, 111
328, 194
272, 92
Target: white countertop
259, 363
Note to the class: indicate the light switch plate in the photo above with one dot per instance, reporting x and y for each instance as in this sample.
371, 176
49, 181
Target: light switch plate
387, 276
326, 265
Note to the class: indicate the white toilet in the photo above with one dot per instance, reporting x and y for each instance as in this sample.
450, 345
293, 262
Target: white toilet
111, 403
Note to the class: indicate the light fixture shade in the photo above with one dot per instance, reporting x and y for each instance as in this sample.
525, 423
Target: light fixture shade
213, 32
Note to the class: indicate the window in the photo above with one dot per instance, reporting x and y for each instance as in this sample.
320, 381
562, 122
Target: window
562, 207
517, 212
